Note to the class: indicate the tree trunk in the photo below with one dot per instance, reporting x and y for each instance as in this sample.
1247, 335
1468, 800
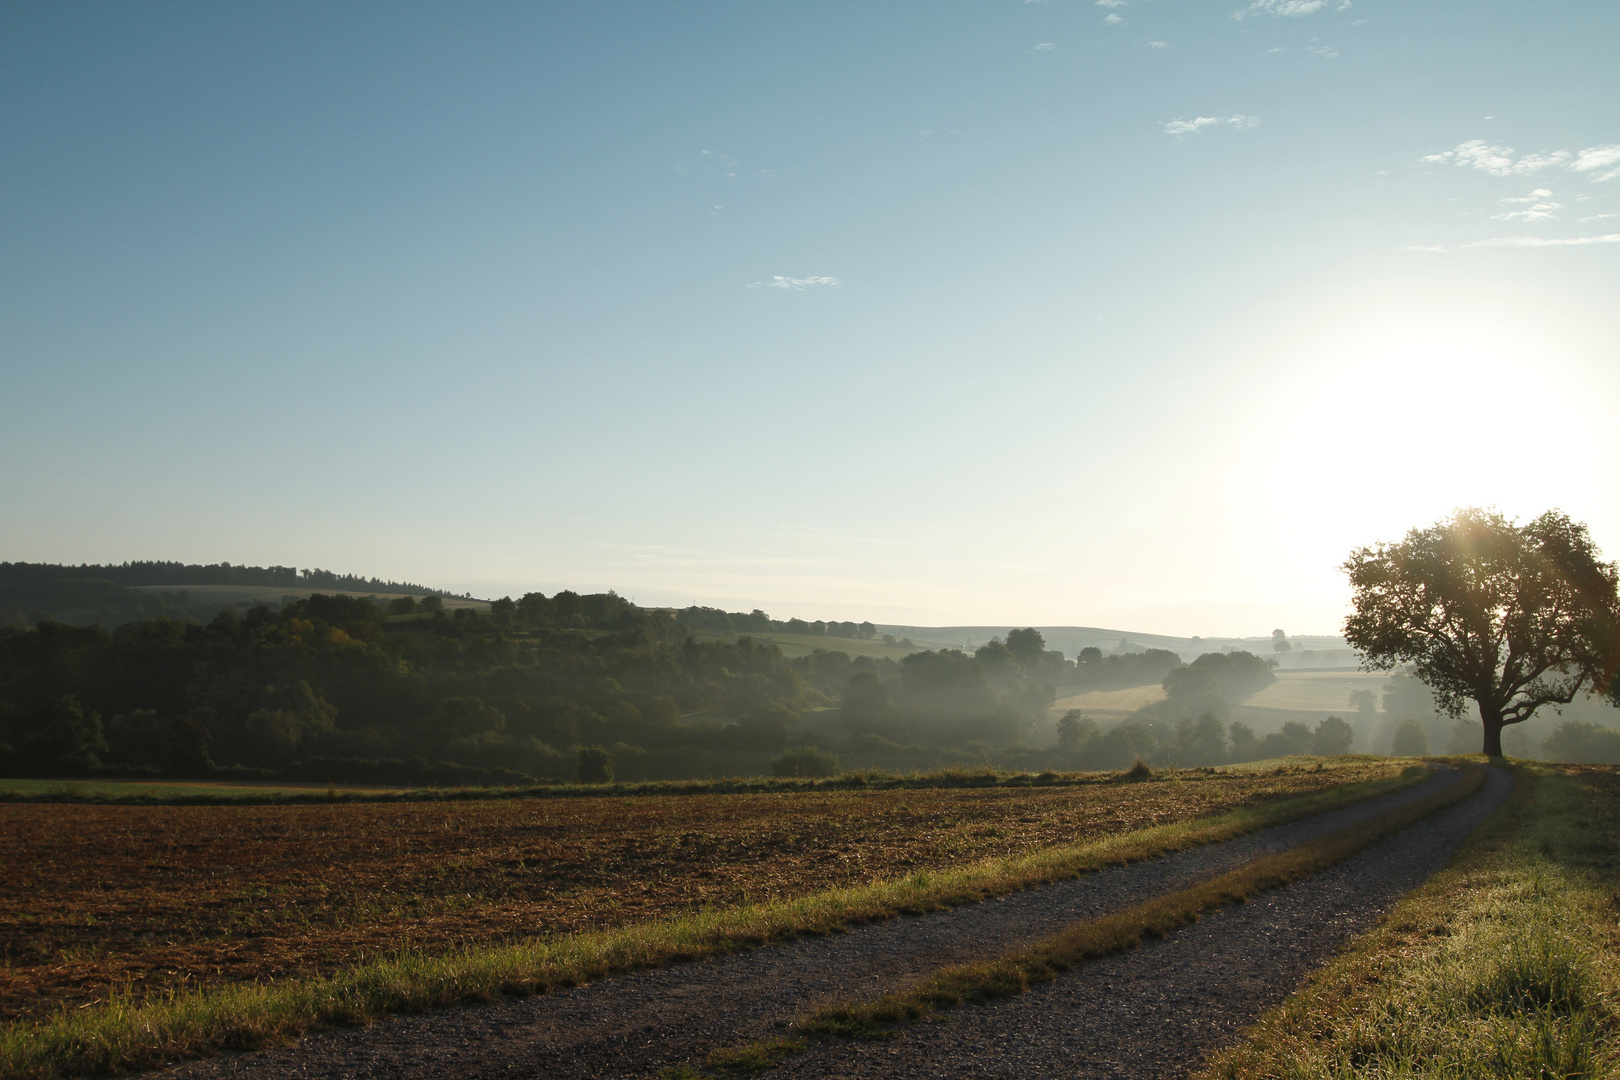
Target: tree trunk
1492, 721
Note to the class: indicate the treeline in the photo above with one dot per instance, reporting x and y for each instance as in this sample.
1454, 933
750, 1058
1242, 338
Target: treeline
715, 621
1190, 743
555, 687
342, 688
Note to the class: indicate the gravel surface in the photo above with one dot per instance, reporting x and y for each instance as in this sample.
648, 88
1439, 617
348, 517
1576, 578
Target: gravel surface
1144, 1013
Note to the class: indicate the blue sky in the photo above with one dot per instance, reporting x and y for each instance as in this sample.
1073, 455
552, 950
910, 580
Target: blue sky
1136, 313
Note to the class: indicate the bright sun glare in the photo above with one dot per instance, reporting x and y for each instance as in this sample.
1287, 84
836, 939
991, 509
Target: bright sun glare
1391, 416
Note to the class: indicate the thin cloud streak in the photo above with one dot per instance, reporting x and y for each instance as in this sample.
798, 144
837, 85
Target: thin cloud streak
1239, 121
796, 284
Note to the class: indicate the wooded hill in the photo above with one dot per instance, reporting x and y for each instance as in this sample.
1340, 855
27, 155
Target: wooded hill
332, 687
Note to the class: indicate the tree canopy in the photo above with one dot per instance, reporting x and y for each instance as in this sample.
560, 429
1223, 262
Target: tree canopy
1513, 617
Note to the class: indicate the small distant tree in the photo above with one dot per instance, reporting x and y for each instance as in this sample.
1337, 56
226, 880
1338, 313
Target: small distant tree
1332, 736
402, 605
1075, 730
1513, 617
806, 762
1245, 746
69, 740
1089, 655
1464, 737
1294, 738
431, 604
1574, 741
1027, 646
594, 766
1410, 741
866, 631
1201, 741
1279, 642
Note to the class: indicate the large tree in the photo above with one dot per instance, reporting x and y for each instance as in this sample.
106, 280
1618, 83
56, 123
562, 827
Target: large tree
1511, 616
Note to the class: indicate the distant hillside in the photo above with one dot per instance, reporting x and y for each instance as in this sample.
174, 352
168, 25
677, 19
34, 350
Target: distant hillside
115, 594
180, 575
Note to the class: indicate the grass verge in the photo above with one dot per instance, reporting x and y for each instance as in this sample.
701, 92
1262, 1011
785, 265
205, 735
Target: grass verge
1505, 964
123, 1034
209, 793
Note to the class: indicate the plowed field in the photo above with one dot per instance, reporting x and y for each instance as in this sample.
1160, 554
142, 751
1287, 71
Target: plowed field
96, 899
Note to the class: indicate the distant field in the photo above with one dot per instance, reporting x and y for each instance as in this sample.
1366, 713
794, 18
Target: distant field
1296, 695
1317, 691
1107, 704
272, 594
157, 898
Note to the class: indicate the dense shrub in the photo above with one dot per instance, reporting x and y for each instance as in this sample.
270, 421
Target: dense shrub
805, 761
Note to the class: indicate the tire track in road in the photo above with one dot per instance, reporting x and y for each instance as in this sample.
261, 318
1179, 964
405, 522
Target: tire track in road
1162, 1009
638, 1024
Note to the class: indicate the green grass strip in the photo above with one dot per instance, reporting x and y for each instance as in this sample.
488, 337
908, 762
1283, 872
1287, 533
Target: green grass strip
125, 1034
106, 792
1504, 965
1157, 918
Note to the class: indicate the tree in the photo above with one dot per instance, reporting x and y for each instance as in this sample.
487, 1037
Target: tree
805, 762
1028, 646
1074, 731
1513, 617
1245, 747
594, 765
1201, 742
1333, 736
1410, 741
1575, 741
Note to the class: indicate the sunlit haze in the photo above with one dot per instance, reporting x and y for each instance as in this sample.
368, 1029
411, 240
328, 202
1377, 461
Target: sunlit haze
1138, 313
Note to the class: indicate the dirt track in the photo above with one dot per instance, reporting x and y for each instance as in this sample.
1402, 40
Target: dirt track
1152, 1012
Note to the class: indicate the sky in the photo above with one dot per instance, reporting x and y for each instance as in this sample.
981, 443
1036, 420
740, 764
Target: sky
1135, 313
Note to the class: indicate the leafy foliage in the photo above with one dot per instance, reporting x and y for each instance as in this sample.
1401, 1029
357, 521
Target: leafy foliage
1512, 617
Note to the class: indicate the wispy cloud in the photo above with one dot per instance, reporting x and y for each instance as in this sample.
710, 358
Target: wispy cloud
1488, 157
1536, 206
1523, 242
1603, 160
1178, 126
796, 283
1045, 46
1539, 241
1158, 44
1112, 19
1326, 52
1289, 9
1112, 3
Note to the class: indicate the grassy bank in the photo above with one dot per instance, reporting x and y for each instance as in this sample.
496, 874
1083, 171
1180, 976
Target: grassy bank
124, 1034
1506, 964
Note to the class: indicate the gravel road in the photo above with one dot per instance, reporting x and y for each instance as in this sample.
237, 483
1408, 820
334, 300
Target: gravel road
1152, 1012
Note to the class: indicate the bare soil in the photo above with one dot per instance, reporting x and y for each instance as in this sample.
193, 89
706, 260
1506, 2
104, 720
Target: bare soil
153, 898
1152, 1012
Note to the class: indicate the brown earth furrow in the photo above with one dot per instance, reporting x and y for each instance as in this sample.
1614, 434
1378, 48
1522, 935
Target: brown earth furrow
640, 1024
99, 899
